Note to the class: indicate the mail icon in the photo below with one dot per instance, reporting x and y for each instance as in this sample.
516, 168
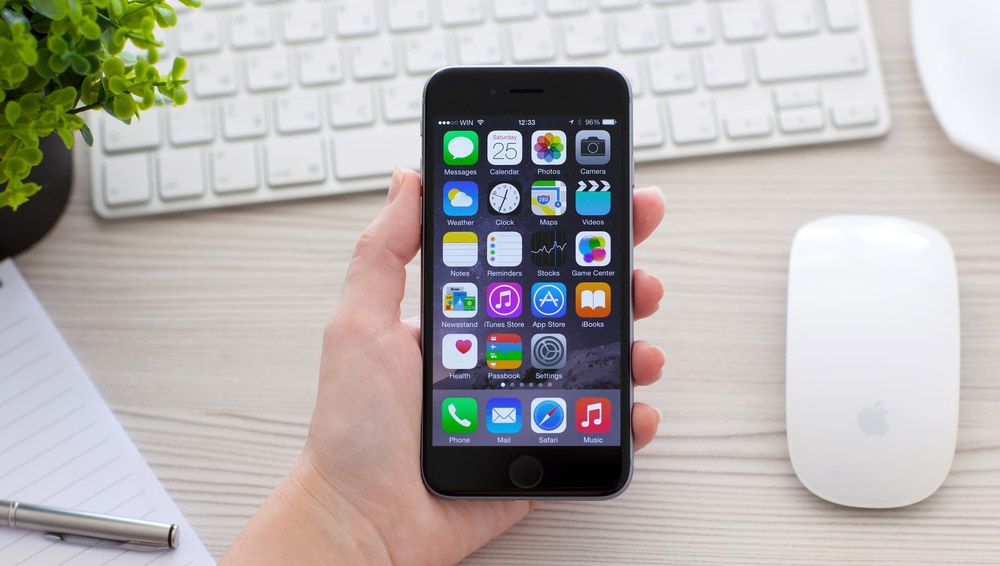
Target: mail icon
505, 415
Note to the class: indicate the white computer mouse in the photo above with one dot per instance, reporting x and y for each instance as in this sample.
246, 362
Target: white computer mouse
872, 375
955, 45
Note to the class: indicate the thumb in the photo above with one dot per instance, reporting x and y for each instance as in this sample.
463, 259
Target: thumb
376, 277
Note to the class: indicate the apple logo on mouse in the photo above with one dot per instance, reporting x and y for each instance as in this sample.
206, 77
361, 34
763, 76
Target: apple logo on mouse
872, 420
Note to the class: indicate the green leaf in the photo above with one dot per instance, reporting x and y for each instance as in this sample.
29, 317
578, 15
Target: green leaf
16, 168
12, 112
51, 9
165, 15
117, 85
87, 135
66, 137
124, 106
32, 155
178, 68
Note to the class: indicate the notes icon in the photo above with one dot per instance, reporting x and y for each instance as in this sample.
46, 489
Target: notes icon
593, 415
461, 249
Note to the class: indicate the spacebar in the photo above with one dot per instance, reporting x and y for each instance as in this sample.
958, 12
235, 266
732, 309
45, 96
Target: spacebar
809, 58
366, 153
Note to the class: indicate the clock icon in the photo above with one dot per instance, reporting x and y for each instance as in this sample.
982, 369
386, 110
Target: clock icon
505, 198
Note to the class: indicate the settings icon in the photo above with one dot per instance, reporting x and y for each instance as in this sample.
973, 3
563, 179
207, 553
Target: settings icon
548, 351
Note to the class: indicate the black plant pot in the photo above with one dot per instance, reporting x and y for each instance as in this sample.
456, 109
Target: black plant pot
22, 229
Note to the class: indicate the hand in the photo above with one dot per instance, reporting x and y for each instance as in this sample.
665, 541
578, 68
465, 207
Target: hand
356, 495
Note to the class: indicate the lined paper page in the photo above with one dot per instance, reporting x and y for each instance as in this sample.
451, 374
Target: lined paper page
60, 445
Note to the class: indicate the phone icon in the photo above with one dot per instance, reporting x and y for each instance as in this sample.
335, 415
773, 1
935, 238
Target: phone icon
459, 415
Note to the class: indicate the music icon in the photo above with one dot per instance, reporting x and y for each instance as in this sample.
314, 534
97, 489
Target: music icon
593, 415
503, 300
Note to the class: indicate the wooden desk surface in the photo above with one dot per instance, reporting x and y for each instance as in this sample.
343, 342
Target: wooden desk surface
203, 333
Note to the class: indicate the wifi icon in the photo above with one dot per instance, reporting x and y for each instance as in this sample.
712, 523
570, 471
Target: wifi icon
480, 122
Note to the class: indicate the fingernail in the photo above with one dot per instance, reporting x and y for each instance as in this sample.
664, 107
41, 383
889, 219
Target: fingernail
394, 183
663, 195
659, 415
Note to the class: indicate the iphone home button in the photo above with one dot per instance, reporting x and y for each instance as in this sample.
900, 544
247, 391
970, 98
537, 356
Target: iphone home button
526, 472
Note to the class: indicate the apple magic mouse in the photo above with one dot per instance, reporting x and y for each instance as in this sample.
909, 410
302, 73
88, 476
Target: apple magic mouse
872, 369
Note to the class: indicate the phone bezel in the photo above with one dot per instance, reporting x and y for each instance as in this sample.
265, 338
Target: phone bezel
482, 471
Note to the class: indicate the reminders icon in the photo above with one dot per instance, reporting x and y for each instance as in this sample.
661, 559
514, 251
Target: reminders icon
503, 249
461, 249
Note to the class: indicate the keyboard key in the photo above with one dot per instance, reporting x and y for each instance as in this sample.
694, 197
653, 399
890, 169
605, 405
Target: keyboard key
689, 25
809, 58
126, 180
461, 12
191, 124
791, 96
294, 114
478, 47
532, 42
181, 174
406, 15
402, 100
742, 20
243, 119
794, 17
142, 133
198, 34
320, 65
250, 29
748, 124
295, 161
618, 4
424, 53
563, 7
692, 119
351, 106
219, 4
353, 18
398, 146
234, 168
853, 114
372, 59
723, 67
267, 70
213, 76
584, 36
637, 34
303, 23
806, 119
842, 15
647, 128
671, 73
513, 9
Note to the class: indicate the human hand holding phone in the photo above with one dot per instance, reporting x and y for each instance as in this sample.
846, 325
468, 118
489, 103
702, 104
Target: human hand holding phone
356, 495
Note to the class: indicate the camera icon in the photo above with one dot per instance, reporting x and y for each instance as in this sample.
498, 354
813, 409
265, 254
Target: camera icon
593, 147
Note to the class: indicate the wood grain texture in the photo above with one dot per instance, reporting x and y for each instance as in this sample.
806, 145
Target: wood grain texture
203, 332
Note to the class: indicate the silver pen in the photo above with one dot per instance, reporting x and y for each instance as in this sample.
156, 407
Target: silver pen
89, 528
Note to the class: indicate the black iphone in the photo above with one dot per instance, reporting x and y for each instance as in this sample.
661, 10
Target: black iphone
526, 282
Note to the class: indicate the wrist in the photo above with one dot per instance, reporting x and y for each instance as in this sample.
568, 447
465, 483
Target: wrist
306, 521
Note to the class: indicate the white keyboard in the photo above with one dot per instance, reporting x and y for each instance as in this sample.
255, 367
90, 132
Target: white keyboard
301, 98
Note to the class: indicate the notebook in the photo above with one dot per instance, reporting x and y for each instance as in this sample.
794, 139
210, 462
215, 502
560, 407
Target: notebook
60, 445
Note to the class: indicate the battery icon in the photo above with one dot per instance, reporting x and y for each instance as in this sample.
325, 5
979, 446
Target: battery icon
608, 122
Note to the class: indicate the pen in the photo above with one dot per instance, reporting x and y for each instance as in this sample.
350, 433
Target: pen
89, 528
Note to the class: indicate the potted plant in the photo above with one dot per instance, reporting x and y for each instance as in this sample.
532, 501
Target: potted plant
58, 59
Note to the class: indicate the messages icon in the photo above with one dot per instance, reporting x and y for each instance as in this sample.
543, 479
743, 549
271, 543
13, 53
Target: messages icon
461, 147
